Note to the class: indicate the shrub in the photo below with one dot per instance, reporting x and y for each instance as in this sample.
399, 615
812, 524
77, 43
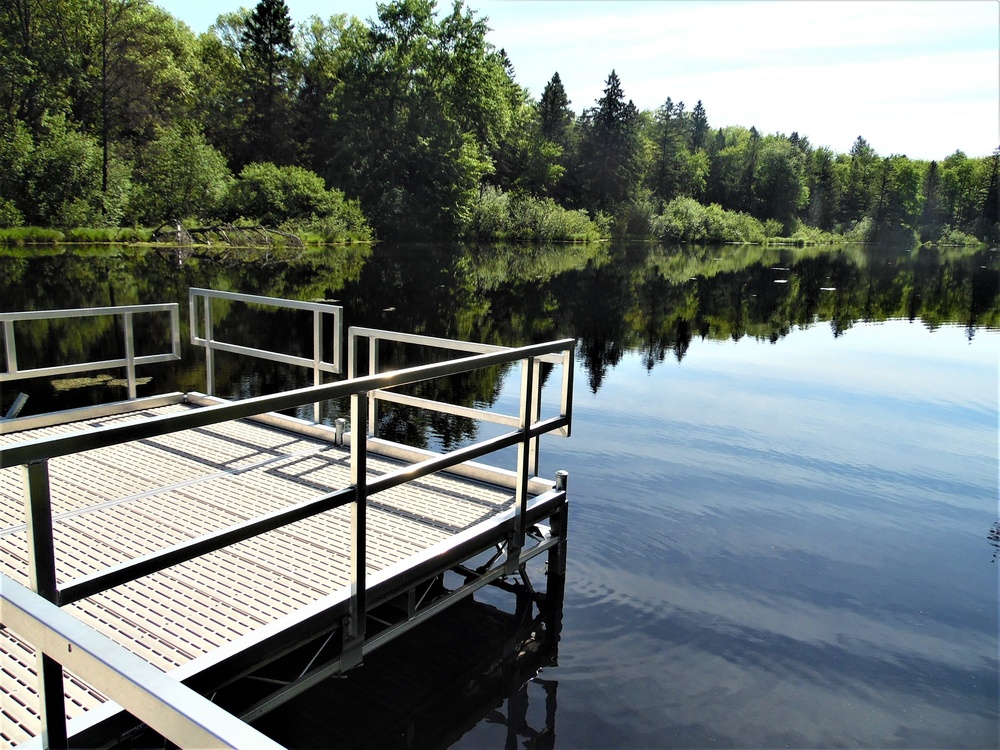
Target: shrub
686, 220
273, 194
497, 215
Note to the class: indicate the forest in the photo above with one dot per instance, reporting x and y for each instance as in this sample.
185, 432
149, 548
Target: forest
113, 113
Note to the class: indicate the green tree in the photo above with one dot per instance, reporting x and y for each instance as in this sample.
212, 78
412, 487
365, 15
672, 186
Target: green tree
324, 47
555, 116
266, 48
857, 196
989, 227
420, 107
221, 110
699, 126
932, 216
896, 204
179, 175
823, 191
780, 183
611, 149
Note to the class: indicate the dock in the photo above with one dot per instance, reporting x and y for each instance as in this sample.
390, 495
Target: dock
183, 565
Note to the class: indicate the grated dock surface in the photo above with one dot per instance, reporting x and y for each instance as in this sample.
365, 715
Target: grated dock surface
111, 505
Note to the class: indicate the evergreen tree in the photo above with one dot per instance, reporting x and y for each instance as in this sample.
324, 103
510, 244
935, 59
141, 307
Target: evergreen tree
931, 223
554, 114
611, 149
860, 175
266, 52
699, 126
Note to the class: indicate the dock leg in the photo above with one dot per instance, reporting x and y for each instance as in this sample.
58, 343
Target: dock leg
555, 575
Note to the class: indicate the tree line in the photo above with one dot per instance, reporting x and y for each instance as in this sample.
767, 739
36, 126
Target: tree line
114, 113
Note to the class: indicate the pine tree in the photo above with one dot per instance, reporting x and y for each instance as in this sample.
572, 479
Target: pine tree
554, 114
699, 126
267, 55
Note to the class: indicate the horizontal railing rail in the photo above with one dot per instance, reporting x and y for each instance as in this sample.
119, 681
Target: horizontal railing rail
34, 456
374, 337
212, 345
39, 449
129, 361
174, 710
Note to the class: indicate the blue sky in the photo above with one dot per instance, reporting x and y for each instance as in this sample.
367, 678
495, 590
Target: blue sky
914, 77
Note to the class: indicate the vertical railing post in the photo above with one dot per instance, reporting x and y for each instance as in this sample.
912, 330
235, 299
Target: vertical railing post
209, 353
516, 541
566, 407
372, 370
317, 356
129, 354
8, 345
354, 627
42, 572
536, 414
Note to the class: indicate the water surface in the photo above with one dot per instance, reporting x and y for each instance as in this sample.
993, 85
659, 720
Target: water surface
783, 469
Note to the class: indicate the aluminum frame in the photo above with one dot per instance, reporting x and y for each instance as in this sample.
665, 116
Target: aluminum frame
35, 454
130, 361
211, 345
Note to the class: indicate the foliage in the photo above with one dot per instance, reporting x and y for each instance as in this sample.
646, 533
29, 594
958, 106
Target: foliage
178, 175
276, 195
56, 180
419, 107
611, 149
517, 216
686, 220
112, 111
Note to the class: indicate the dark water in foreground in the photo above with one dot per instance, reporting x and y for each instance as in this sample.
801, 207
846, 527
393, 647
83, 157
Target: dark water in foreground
783, 471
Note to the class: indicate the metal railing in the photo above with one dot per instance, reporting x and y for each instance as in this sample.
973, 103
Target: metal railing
211, 345
531, 382
34, 456
130, 361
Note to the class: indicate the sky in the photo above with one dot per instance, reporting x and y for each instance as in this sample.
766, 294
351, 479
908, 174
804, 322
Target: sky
913, 77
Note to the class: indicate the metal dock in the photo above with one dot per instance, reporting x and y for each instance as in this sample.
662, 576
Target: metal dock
194, 563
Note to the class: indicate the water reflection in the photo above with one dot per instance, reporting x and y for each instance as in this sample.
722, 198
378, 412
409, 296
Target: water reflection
616, 299
782, 467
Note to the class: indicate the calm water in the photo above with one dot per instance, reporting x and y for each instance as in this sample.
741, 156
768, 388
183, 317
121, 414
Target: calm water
783, 470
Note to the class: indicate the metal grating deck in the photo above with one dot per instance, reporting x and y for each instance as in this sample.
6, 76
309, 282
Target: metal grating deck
114, 504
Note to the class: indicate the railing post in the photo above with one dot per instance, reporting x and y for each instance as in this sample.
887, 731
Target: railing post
317, 357
8, 344
516, 541
209, 354
42, 572
129, 354
536, 414
372, 370
354, 627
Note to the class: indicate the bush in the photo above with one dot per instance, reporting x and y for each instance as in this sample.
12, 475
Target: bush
952, 236
273, 195
10, 216
686, 220
497, 215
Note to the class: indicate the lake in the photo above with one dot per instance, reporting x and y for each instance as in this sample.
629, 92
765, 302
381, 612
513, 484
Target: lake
783, 470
